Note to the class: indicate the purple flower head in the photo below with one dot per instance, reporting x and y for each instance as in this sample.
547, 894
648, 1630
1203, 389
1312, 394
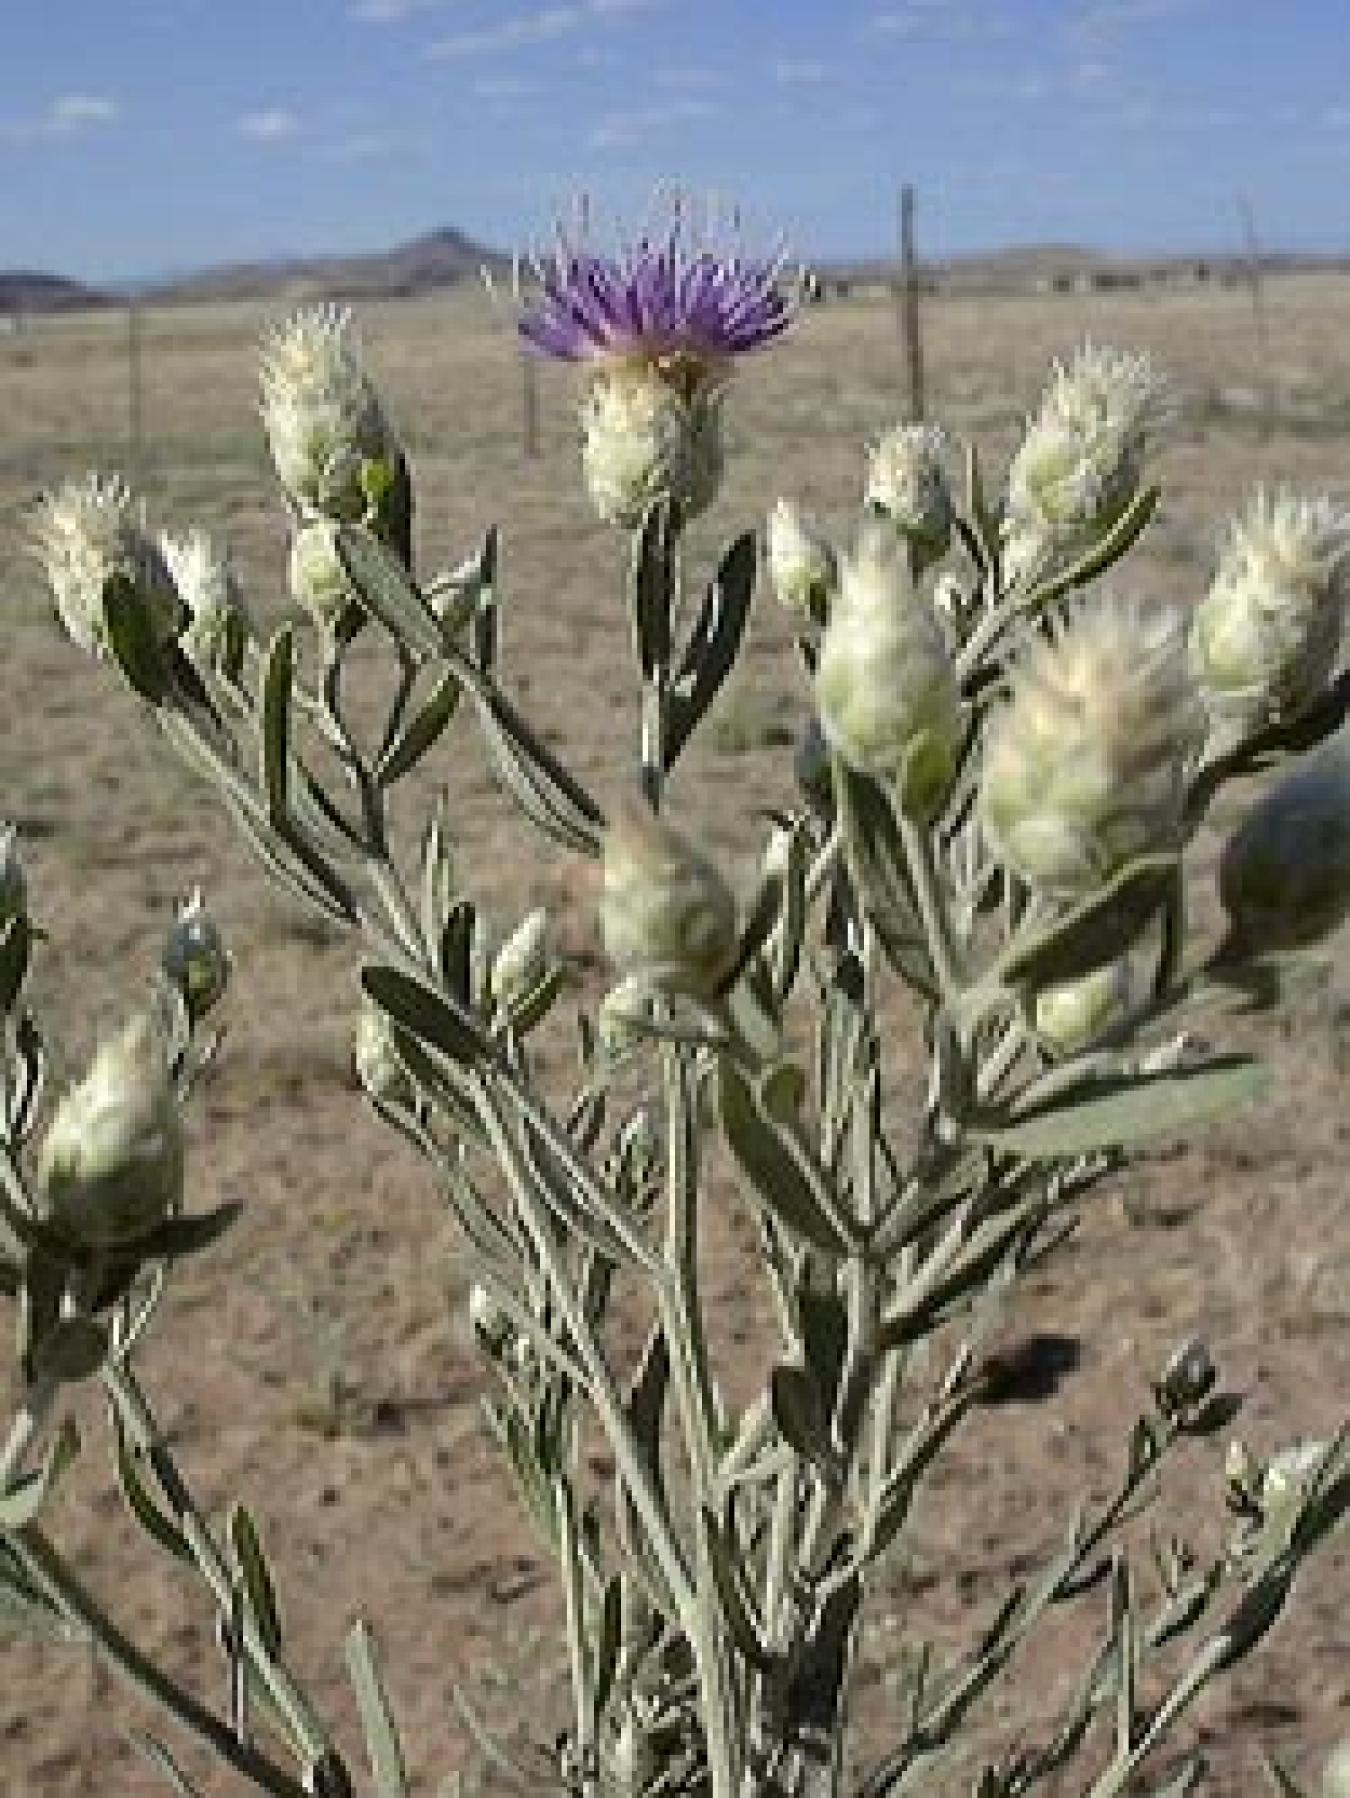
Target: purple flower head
669, 298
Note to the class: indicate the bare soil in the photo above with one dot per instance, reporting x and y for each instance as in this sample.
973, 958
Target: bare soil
318, 1364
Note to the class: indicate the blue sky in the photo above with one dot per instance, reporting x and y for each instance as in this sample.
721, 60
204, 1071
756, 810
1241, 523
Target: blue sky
143, 135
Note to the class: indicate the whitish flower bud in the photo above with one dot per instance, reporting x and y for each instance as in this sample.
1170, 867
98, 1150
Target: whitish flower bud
644, 440
319, 583
376, 1059
1242, 1476
666, 913
209, 590
1187, 1380
111, 1165
88, 533
1079, 464
322, 415
886, 690
491, 1325
195, 958
1085, 767
522, 961
802, 566
620, 1013
1284, 874
1266, 637
1288, 1479
13, 880
1073, 1013
906, 480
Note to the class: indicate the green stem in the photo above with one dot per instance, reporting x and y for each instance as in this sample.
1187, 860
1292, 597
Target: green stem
79, 1606
33, 1414
311, 1738
923, 869
570, 1557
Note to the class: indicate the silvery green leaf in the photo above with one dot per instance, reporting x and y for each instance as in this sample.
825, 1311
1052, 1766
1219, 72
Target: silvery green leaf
777, 1166
21, 1096
491, 1238
652, 587
421, 732
785, 958
982, 517
758, 927
22, 1502
388, 592
608, 1643
734, 1597
455, 951
256, 1579
438, 877
536, 1489
1103, 554
1094, 931
822, 1319
921, 1445
16, 942
278, 675
377, 1719
144, 1508
163, 1762
713, 645
1004, 1237
132, 639
816, 1688
291, 859
534, 777
532, 1007
646, 1401
801, 1418
1187, 1778
880, 872
1184, 1607
431, 1017
1122, 1110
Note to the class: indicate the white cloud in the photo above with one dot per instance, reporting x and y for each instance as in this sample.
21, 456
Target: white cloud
621, 130
80, 112
271, 125
800, 71
521, 30
68, 115
971, 19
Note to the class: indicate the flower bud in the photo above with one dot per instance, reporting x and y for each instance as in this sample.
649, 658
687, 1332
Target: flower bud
1284, 874
491, 1325
319, 583
13, 880
522, 961
1242, 1476
1284, 1488
886, 690
1074, 1013
195, 958
1266, 637
1085, 767
376, 1059
802, 564
111, 1165
209, 590
89, 533
322, 415
644, 441
665, 913
906, 481
1187, 1380
1080, 463
620, 1013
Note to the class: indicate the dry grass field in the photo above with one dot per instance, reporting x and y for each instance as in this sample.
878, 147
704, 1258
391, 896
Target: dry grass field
318, 1363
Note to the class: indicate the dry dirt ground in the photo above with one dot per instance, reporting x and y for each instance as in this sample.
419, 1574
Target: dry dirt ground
318, 1363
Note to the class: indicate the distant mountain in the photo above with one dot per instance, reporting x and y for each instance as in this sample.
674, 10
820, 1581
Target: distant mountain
439, 259
26, 290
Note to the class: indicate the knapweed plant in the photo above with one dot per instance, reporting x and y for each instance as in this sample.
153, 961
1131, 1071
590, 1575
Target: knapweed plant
991, 815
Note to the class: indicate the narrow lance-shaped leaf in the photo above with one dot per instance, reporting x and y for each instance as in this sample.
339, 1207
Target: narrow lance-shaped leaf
713, 645
258, 1590
277, 676
421, 732
377, 1719
1124, 1110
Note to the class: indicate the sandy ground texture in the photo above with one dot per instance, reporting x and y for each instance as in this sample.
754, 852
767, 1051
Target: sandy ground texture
318, 1365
